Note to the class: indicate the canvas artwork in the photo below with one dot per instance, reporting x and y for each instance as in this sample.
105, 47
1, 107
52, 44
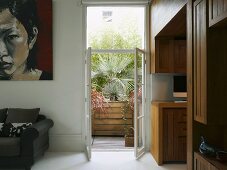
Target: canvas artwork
26, 40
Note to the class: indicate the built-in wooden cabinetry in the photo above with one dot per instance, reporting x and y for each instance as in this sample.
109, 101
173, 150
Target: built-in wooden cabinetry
207, 81
205, 163
168, 131
217, 12
210, 71
170, 56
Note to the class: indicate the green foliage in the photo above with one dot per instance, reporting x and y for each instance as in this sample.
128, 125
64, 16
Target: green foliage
113, 74
114, 40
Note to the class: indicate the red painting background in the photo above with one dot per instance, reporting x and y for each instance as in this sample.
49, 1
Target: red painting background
44, 39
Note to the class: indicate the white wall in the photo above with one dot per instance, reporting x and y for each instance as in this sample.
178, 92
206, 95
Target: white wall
60, 99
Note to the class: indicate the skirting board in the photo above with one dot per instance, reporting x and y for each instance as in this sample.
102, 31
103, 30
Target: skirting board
66, 143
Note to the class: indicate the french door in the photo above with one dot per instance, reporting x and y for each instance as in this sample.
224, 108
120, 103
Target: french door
139, 102
88, 103
139, 98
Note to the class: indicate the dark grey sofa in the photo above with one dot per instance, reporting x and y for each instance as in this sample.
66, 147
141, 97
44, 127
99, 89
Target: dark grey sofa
21, 152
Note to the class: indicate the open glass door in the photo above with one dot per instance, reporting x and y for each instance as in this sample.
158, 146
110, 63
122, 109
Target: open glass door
139, 102
88, 103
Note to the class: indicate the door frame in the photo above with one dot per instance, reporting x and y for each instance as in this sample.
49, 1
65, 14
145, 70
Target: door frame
147, 61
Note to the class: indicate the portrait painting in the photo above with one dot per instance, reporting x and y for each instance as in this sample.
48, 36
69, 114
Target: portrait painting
26, 40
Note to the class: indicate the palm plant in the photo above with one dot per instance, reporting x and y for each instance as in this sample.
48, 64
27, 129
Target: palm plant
114, 91
113, 75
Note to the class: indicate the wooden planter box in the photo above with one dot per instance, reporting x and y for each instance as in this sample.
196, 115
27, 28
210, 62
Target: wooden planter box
111, 123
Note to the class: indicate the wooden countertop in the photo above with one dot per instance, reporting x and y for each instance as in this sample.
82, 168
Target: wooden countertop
170, 104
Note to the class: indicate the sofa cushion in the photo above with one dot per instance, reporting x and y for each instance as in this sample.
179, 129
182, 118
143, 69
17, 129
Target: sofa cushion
9, 146
7, 130
20, 127
18, 115
3, 113
13, 129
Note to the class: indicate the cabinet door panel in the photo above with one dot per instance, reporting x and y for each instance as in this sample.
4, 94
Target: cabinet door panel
168, 135
200, 163
200, 59
174, 134
179, 56
164, 56
180, 148
217, 11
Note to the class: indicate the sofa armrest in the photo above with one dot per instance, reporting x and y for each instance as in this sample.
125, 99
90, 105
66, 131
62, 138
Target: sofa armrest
37, 129
42, 126
33, 133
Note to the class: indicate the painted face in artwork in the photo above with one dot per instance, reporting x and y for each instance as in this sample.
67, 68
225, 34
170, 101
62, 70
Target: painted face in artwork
14, 45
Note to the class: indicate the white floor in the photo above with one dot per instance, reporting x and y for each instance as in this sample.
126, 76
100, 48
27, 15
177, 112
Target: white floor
100, 161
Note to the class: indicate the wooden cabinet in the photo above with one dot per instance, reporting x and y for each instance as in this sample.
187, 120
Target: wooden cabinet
179, 57
168, 132
207, 82
174, 134
164, 51
217, 12
210, 71
201, 163
204, 163
170, 56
